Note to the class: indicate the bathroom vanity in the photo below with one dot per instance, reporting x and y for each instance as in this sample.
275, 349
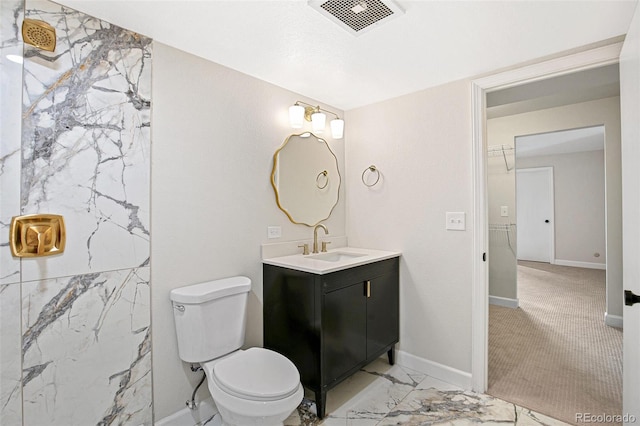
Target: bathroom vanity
331, 315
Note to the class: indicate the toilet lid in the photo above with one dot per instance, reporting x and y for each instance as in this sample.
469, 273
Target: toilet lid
257, 373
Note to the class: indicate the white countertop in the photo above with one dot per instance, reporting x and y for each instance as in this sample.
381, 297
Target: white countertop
335, 259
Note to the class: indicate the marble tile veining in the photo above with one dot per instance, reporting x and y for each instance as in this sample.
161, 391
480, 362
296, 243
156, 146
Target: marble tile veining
10, 373
86, 142
103, 320
435, 406
385, 395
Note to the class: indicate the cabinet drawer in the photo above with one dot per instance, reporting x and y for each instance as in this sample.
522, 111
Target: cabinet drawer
340, 279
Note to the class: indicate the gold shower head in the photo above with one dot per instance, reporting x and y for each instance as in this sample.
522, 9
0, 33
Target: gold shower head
39, 34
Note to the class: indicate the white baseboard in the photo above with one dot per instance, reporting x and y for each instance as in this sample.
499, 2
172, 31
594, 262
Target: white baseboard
442, 372
576, 264
613, 320
204, 410
504, 301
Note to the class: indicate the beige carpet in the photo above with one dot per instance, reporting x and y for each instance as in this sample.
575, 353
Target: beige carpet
554, 354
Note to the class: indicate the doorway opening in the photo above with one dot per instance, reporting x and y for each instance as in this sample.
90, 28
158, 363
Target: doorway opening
550, 349
572, 63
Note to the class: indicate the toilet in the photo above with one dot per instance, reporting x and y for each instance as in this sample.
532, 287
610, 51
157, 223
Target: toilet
255, 386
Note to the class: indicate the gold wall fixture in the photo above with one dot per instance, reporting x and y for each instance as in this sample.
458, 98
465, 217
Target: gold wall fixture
39, 34
320, 178
303, 111
37, 235
373, 170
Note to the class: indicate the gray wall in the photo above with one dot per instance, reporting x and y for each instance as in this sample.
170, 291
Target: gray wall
502, 229
579, 193
601, 112
421, 144
215, 133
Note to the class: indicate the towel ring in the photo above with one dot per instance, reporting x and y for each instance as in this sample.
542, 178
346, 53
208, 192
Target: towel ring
371, 169
326, 180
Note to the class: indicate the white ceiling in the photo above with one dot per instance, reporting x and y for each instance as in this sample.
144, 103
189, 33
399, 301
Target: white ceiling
291, 45
562, 142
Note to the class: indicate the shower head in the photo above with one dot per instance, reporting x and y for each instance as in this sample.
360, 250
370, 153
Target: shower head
39, 34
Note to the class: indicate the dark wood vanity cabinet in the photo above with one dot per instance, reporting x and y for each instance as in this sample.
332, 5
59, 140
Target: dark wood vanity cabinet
331, 325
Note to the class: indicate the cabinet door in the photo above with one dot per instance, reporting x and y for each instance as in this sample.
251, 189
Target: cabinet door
289, 314
343, 331
382, 313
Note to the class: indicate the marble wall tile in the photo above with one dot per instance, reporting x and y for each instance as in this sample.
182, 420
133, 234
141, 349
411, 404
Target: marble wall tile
11, 12
75, 132
86, 349
10, 355
86, 142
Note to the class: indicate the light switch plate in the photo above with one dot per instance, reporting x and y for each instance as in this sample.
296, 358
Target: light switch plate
274, 232
504, 211
456, 221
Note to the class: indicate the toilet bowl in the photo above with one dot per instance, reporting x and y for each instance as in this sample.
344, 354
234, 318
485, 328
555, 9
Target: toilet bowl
254, 387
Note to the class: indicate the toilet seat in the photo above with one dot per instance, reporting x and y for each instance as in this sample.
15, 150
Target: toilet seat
257, 374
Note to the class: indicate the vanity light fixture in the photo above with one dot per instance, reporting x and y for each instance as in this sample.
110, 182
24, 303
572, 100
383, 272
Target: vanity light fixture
301, 111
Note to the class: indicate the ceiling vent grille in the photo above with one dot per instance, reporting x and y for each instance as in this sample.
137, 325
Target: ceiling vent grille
357, 16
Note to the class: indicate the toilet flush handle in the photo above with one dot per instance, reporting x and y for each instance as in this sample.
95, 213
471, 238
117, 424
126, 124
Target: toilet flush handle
179, 307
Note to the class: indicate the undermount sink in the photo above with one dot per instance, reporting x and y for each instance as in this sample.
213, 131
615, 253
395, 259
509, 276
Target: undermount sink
336, 256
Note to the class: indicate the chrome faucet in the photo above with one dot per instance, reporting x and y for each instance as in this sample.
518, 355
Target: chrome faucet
315, 236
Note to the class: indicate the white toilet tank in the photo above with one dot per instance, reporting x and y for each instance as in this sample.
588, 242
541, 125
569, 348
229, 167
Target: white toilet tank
210, 318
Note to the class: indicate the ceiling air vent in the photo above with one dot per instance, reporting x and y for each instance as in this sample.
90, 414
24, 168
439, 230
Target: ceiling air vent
357, 16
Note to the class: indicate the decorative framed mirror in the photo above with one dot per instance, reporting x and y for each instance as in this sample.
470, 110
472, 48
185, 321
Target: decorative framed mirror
306, 179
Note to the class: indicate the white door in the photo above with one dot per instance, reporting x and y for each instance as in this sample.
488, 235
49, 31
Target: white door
534, 214
630, 113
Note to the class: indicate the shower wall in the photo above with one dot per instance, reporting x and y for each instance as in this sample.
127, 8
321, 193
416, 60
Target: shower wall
75, 128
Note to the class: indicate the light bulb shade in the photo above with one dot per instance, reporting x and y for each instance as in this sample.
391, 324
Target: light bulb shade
318, 121
296, 116
337, 128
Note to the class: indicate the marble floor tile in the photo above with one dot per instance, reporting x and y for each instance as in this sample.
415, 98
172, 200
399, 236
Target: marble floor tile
364, 398
435, 406
383, 395
527, 417
389, 386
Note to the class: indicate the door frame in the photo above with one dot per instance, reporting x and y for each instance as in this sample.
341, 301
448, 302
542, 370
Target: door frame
552, 218
569, 63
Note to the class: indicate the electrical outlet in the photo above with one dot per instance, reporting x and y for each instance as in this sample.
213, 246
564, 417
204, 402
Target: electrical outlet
456, 221
274, 232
